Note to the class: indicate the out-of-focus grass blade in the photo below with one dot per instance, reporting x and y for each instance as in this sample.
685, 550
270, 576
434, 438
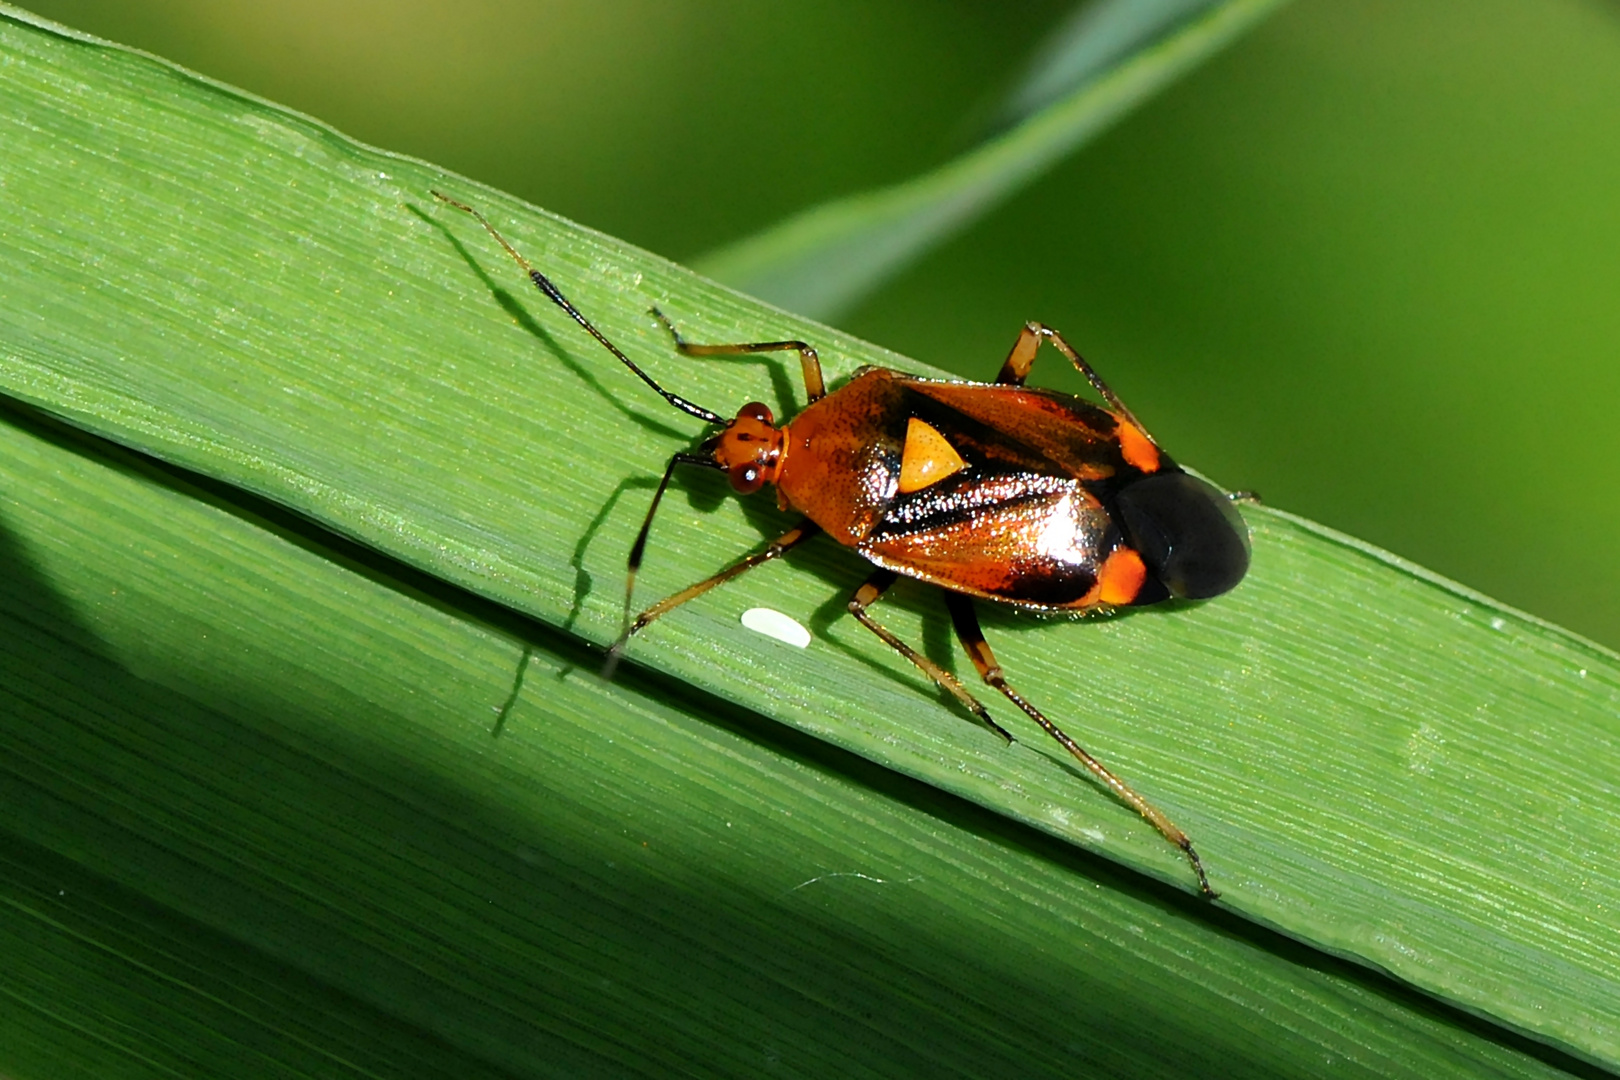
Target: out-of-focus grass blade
1096, 34
1372, 760
820, 261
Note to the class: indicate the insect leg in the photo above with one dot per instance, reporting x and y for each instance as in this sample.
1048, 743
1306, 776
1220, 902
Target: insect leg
814, 386
789, 540
865, 597
1016, 368
972, 638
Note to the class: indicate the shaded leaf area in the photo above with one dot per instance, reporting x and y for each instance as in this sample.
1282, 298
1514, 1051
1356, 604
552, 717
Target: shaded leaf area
272, 807
1371, 760
823, 260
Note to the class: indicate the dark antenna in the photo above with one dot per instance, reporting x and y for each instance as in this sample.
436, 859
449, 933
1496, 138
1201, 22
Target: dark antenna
637, 551
544, 284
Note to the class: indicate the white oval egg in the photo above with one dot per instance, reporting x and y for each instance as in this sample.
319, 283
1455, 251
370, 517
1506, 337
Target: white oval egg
774, 624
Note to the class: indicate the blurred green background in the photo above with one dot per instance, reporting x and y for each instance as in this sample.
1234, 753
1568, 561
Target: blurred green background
1367, 261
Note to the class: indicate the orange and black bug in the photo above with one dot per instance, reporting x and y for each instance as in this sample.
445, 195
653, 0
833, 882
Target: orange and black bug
991, 491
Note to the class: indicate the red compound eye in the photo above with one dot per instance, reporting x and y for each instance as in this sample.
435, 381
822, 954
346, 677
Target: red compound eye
746, 477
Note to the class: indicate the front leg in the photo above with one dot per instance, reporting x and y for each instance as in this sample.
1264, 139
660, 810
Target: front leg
783, 544
815, 387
